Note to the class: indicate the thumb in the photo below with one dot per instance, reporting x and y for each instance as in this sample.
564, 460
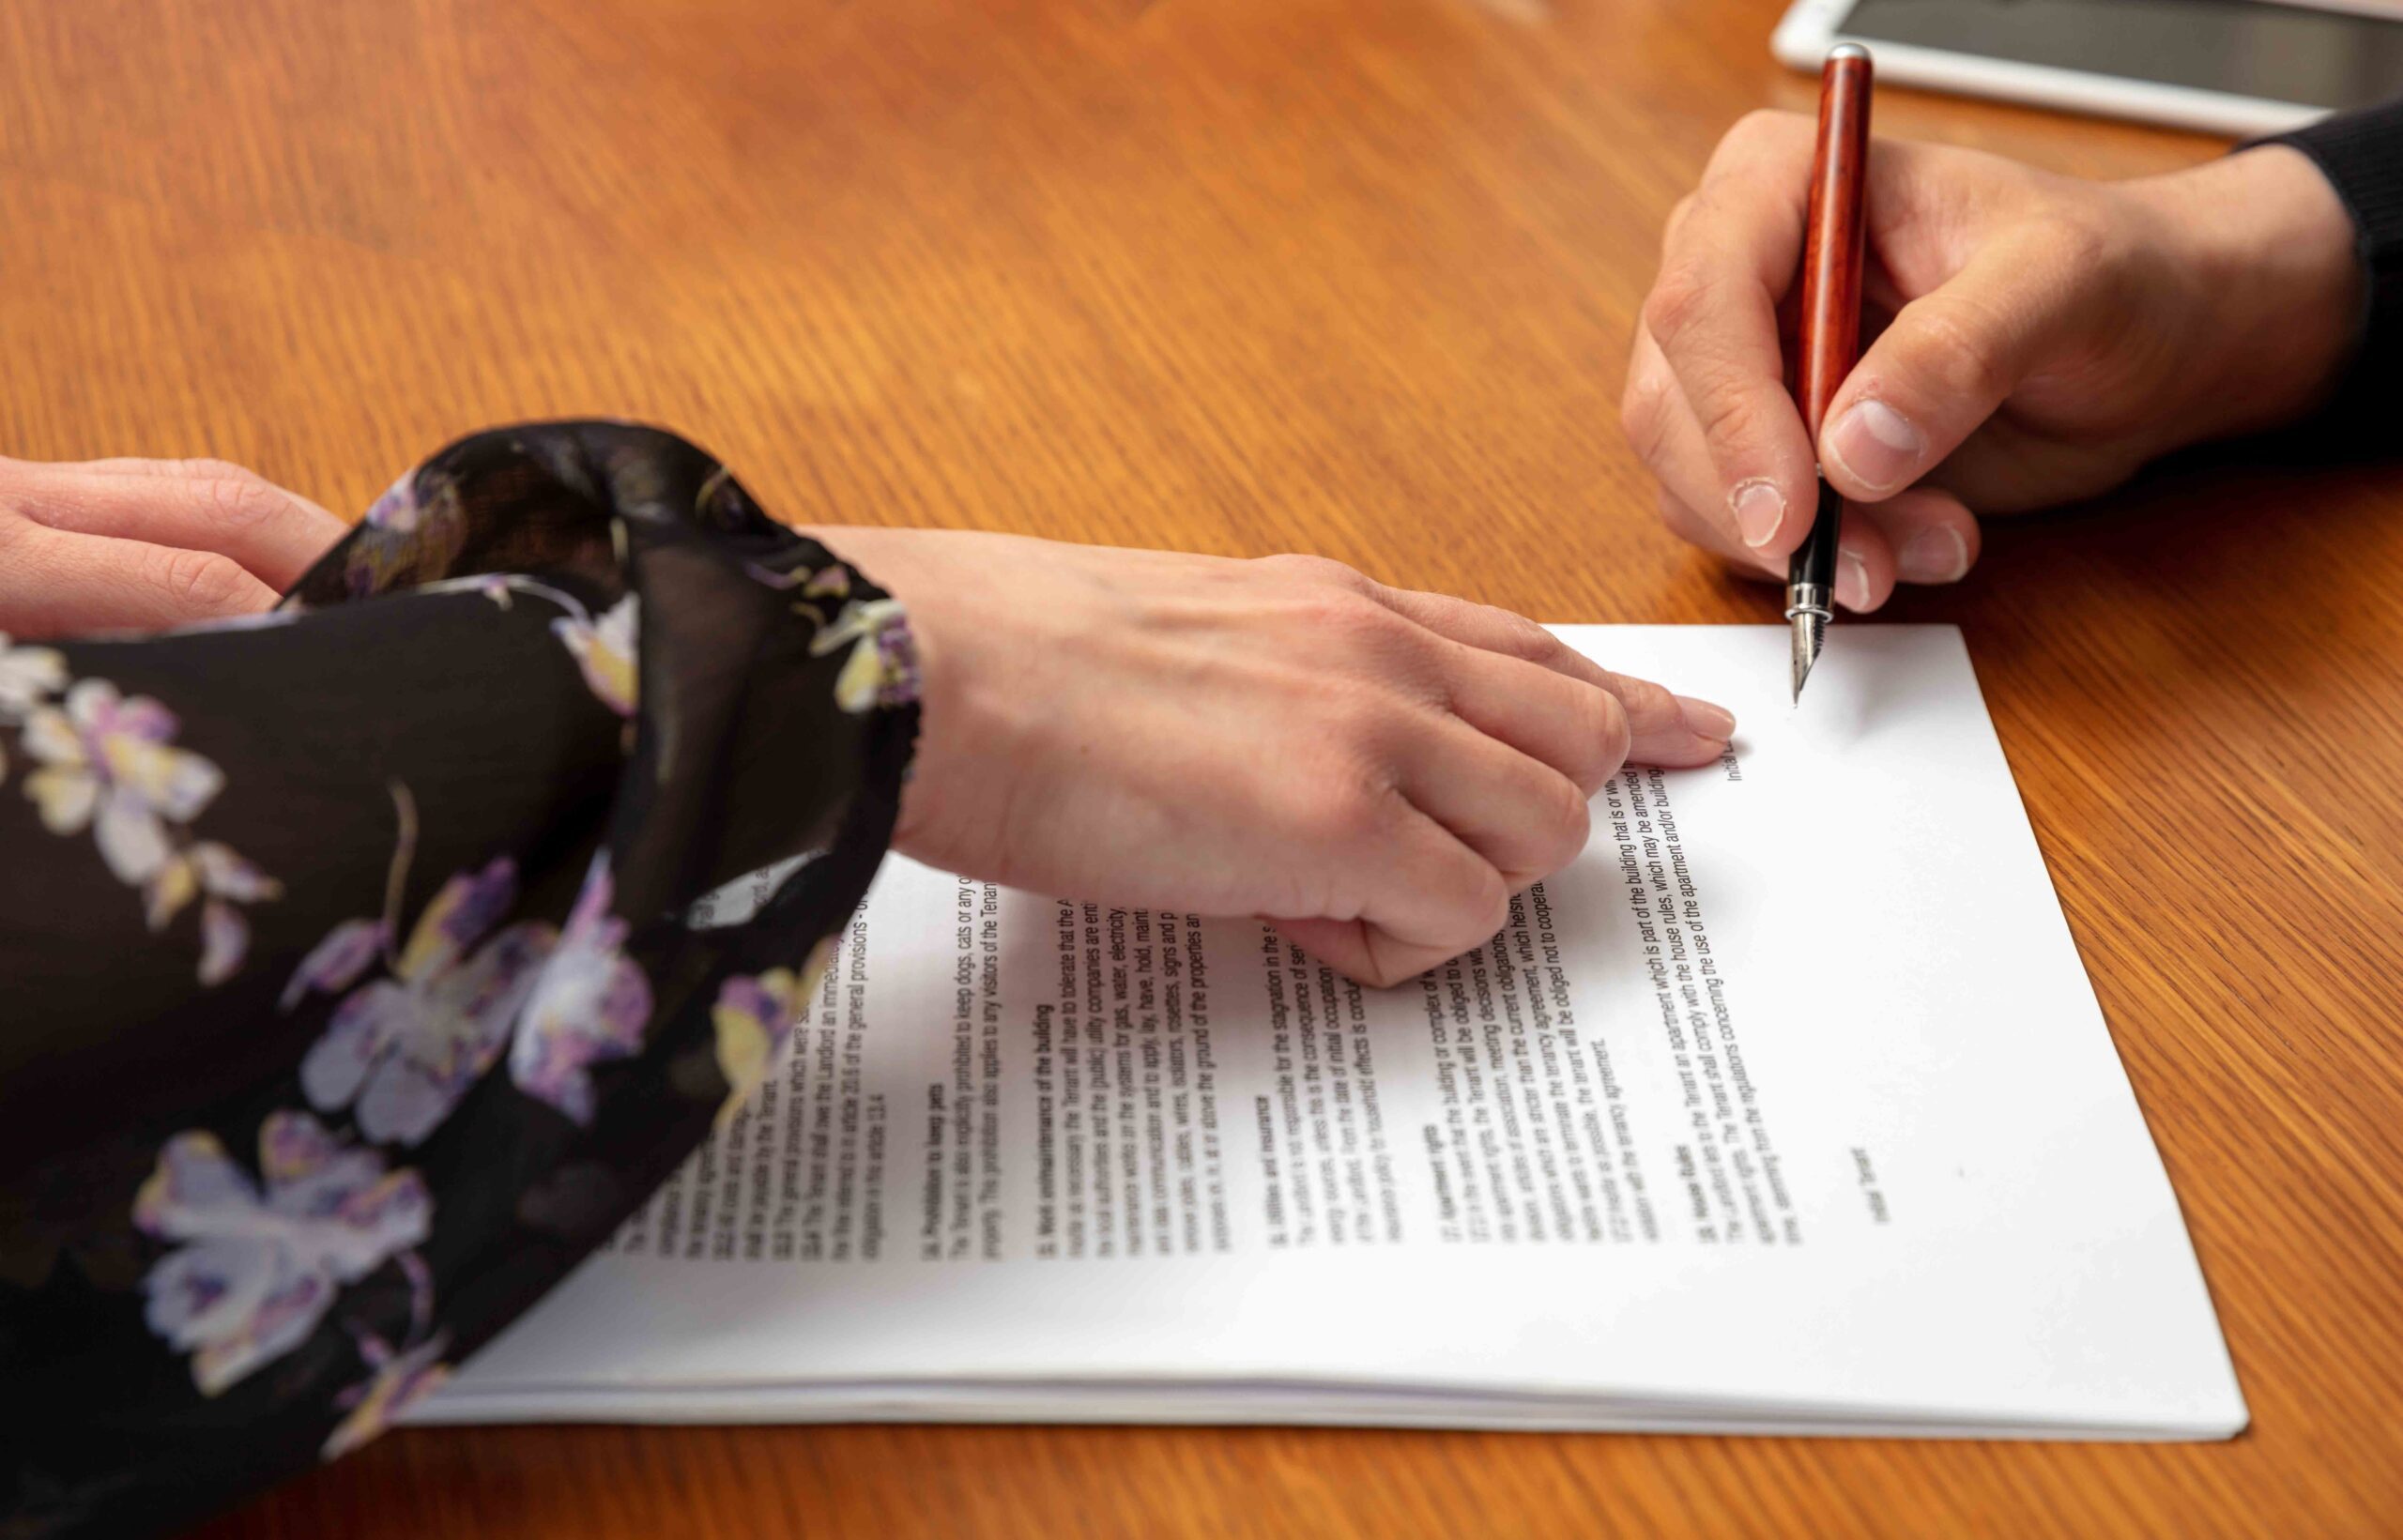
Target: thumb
1950, 358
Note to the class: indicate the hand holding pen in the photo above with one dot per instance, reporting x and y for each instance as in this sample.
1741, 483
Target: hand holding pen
2032, 339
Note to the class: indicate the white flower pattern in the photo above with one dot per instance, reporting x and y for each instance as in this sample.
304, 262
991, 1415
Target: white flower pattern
883, 669
108, 762
606, 650
29, 675
591, 1004
257, 1269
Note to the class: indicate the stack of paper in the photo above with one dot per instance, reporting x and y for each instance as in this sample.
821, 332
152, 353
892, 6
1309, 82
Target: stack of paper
1787, 1108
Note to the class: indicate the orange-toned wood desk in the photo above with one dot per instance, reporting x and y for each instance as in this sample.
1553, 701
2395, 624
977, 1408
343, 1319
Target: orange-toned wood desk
1351, 276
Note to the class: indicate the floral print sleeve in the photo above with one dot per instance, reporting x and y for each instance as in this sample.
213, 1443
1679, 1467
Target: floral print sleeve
347, 997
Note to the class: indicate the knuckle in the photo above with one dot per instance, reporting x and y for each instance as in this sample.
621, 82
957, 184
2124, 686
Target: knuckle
1641, 699
1350, 806
1612, 736
209, 471
1319, 570
1761, 126
1679, 301
1728, 414
1962, 350
200, 579
1485, 904
1600, 725
1679, 212
1521, 638
2100, 270
2078, 241
1644, 415
1759, 134
1565, 820
239, 498
1349, 625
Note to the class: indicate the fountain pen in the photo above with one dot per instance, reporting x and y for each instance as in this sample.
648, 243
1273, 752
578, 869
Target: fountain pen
1829, 337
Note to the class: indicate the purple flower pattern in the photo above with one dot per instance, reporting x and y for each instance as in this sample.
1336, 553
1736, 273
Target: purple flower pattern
406, 1047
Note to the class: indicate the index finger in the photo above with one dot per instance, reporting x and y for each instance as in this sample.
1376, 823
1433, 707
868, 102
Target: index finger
1663, 728
1727, 260
191, 505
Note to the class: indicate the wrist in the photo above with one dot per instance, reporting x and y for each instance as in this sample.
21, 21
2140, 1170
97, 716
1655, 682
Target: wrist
2265, 253
934, 579
866, 550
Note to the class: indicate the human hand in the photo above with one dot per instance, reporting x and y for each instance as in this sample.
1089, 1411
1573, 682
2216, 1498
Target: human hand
146, 545
2037, 338
1375, 769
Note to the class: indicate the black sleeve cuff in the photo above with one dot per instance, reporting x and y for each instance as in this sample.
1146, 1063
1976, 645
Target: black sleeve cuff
2361, 154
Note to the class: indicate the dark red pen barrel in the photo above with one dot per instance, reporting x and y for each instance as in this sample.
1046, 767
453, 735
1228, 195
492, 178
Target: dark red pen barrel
1833, 250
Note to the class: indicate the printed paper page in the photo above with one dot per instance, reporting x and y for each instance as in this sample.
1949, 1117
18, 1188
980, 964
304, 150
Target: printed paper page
1788, 1103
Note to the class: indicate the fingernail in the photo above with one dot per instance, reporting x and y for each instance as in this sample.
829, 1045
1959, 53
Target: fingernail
1759, 508
1852, 583
1876, 445
1933, 556
1705, 720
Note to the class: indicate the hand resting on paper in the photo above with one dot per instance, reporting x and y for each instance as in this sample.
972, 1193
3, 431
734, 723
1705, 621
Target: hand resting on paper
1376, 769
2036, 339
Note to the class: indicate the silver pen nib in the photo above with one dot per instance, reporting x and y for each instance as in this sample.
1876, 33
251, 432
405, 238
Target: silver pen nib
1810, 635
1807, 612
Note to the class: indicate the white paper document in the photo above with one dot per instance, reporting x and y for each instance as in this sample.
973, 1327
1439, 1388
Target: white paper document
1787, 1107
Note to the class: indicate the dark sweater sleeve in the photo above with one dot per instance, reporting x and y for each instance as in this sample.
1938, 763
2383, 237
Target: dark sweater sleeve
2361, 154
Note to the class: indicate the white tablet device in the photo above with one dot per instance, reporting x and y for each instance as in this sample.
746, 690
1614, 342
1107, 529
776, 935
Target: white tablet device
2237, 67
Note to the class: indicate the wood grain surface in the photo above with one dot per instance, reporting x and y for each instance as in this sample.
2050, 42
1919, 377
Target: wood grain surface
1348, 275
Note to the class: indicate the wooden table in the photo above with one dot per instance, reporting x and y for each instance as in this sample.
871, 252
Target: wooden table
1351, 276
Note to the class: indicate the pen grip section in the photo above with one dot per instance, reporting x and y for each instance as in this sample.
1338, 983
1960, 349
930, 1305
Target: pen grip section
1815, 560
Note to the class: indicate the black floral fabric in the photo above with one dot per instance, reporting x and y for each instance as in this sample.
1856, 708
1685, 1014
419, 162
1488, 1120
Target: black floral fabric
354, 983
